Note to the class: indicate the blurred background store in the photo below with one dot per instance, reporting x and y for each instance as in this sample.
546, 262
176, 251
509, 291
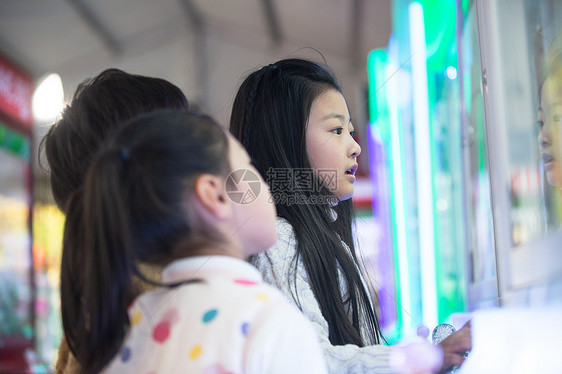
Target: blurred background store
456, 212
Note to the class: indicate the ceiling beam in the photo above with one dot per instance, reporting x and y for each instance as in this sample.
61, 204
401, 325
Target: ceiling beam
15, 56
272, 21
355, 33
96, 25
194, 14
201, 55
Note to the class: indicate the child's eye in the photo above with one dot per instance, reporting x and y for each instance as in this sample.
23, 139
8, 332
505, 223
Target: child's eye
540, 124
338, 131
352, 133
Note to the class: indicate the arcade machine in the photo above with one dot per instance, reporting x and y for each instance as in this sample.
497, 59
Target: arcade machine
415, 144
469, 140
16, 270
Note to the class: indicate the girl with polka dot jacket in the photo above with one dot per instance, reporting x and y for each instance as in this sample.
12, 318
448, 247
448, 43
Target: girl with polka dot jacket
172, 188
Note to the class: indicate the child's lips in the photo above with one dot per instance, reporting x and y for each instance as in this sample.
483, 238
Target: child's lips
546, 158
352, 170
350, 173
548, 161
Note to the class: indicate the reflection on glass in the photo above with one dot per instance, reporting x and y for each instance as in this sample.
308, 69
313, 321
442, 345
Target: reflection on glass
550, 133
525, 46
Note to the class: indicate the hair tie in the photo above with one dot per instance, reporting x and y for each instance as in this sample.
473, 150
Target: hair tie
124, 154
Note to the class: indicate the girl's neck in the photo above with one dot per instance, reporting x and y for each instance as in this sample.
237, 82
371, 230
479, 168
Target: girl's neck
217, 251
208, 249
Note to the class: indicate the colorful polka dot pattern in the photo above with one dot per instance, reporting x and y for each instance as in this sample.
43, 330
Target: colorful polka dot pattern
210, 315
195, 352
216, 369
262, 297
245, 327
245, 282
163, 328
161, 331
136, 318
125, 354
171, 315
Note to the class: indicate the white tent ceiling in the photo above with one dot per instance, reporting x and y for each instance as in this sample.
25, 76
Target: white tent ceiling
203, 46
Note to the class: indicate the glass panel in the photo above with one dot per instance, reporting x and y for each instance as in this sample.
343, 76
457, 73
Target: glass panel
544, 31
478, 196
532, 88
521, 56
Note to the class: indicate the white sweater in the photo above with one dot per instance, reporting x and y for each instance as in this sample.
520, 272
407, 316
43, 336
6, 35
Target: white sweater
276, 266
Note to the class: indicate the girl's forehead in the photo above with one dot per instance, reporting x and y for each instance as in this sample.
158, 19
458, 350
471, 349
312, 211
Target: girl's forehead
551, 104
552, 90
330, 103
327, 93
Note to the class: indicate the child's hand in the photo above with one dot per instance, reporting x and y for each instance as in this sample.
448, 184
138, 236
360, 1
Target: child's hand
455, 347
416, 357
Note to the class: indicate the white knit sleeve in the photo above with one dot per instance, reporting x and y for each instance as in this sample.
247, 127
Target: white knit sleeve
277, 269
282, 341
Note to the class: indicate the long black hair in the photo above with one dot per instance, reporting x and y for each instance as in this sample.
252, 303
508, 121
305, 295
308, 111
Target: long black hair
269, 117
133, 210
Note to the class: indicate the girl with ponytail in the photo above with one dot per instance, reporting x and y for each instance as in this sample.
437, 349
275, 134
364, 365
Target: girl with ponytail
99, 106
164, 191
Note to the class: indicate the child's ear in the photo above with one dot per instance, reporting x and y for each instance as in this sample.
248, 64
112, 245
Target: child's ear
210, 192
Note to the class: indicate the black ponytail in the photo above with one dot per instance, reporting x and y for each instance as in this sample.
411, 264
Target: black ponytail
97, 228
132, 210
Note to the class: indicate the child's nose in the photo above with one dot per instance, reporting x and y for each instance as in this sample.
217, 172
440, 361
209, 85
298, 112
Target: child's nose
544, 136
355, 148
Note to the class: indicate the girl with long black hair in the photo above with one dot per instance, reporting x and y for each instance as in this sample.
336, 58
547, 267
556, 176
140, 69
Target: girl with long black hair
295, 124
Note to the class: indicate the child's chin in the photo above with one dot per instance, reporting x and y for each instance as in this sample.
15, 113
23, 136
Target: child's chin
344, 197
263, 246
553, 180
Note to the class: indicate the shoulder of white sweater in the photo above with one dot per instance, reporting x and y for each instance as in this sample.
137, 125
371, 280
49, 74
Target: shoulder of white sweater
284, 228
285, 246
275, 264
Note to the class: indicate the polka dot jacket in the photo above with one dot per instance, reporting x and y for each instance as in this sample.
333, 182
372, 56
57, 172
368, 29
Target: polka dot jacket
230, 322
